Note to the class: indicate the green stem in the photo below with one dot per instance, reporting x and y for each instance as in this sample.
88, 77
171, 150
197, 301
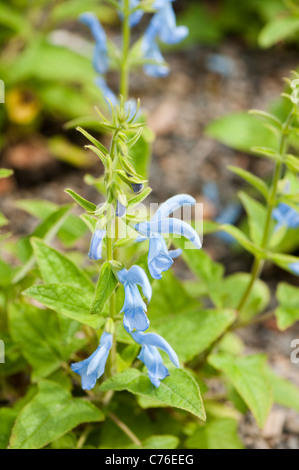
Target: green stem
125, 429
259, 261
111, 255
126, 34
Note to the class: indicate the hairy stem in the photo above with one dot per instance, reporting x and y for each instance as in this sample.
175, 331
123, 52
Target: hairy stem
125, 429
258, 263
126, 35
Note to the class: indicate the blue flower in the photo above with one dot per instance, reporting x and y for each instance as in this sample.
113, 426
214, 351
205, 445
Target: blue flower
163, 27
136, 16
134, 307
159, 257
107, 92
120, 209
93, 367
100, 56
152, 53
294, 267
285, 216
164, 24
95, 250
151, 357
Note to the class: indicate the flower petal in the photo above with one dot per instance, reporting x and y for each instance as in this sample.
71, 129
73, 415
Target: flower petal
159, 259
152, 339
152, 359
172, 204
95, 250
93, 367
168, 226
136, 275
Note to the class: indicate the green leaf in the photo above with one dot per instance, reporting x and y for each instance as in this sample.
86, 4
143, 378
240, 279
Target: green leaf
14, 19
140, 153
88, 206
7, 419
282, 260
253, 180
71, 229
284, 392
169, 297
46, 231
287, 312
238, 235
70, 301
207, 270
4, 173
216, 434
49, 415
3, 220
37, 333
277, 30
139, 198
62, 65
200, 263
55, 268
105, 287
93, 140
63, 150
241, 131
178, 390
233, 288
247, 374
190, 333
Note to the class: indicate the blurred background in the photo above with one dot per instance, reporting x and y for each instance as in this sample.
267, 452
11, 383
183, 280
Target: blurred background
234, 59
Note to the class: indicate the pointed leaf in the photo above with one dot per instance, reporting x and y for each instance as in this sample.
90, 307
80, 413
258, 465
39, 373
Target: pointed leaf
178, 390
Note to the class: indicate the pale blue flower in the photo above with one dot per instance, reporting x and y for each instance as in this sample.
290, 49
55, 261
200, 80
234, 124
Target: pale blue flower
294, 267
151, 357
120, 209
93, 367
160, 258
164, 23
162, 26
151, 52
136, 16
100, 56
285, 216
95, 250
134, 307
107, 92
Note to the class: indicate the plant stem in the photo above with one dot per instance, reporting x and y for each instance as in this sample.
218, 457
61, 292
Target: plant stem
125, 429
110, 257
126, 34
258, 263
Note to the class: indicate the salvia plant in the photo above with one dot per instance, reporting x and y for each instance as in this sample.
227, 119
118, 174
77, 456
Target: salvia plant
123, 322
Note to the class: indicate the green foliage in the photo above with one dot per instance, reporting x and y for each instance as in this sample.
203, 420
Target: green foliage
178, 390
216, 434
287, 310
247, 374
36, 425
55, 304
